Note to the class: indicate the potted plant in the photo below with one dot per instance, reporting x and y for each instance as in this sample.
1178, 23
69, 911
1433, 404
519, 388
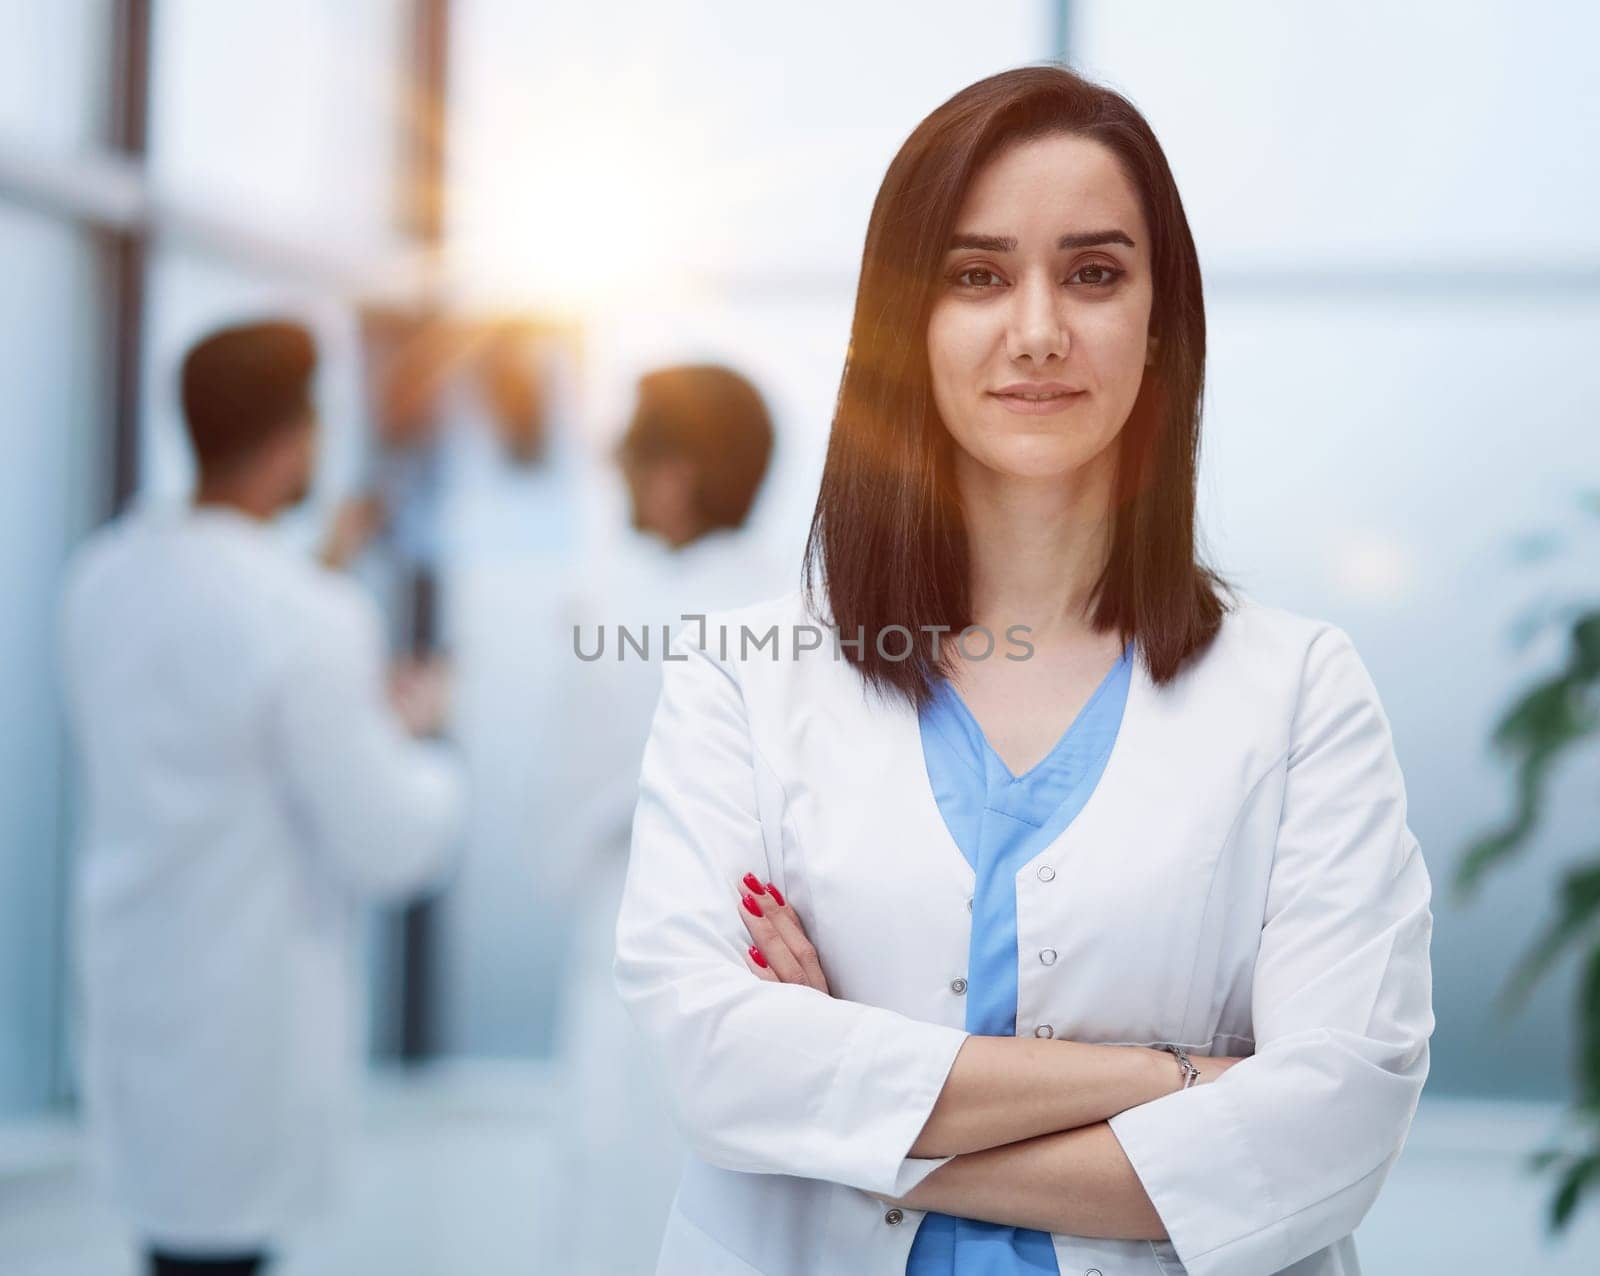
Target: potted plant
1559, 710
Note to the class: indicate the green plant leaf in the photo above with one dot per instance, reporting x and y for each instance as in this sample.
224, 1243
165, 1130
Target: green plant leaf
1552, 713
1544, 1158
1586, 647
1577, 909
1541, 725
1589, 1033
1484, 852
1536, 617
1571, 1189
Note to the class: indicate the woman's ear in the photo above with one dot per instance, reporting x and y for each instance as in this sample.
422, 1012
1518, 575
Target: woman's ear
1150, 349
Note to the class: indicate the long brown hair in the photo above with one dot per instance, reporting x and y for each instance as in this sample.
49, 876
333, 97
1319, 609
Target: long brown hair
887, 537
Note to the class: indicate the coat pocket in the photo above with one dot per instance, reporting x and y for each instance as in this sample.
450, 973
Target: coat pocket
773, 1224
1084, 1254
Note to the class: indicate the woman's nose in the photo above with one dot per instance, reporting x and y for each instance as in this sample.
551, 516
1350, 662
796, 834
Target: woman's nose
1037, 330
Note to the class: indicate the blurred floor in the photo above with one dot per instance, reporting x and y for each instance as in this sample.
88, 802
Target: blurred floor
456, 1173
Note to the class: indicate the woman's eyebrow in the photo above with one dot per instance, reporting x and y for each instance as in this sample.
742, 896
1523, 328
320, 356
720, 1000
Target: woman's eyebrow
1008, 243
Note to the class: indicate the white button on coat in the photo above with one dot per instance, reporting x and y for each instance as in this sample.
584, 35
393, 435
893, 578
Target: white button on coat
1273, 903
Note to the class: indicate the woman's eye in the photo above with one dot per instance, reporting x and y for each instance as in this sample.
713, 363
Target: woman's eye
1102, 276
1094, 275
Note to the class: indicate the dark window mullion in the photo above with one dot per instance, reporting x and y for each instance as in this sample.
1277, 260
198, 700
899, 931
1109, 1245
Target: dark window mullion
125, 249
421, 216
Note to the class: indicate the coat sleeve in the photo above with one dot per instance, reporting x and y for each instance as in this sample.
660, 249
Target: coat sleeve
763, 1077
384, 812
1285, 1152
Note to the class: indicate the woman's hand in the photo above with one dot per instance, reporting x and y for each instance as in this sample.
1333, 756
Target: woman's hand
781, 953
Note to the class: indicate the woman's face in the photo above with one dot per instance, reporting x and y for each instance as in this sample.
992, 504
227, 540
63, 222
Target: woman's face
1038, 339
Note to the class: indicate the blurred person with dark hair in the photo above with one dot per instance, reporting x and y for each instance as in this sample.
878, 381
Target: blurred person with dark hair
249, 777
694, 457
695, 453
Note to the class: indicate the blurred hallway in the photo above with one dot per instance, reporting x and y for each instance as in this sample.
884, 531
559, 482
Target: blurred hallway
1400, 243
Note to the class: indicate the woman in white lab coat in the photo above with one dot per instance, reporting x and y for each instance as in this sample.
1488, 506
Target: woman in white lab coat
934, 986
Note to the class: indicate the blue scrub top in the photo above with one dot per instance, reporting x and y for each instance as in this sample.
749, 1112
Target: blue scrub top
1001, 821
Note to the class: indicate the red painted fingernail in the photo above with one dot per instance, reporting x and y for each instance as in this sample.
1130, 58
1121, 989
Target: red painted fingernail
755, 956
754, 883
750, 903
774, 892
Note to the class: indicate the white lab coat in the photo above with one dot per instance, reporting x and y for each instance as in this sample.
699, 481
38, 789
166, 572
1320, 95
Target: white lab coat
245, 785
1242, 880
617, 1126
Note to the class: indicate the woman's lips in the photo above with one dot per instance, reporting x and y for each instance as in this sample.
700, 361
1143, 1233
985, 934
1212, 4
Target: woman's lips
1040, 404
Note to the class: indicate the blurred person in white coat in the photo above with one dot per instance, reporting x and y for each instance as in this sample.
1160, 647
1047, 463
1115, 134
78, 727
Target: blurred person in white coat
694, 457
249, 777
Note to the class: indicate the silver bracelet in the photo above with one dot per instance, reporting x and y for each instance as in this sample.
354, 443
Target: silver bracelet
1191, 1074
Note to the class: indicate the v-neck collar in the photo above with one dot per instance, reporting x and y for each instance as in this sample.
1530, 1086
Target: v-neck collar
959, 725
